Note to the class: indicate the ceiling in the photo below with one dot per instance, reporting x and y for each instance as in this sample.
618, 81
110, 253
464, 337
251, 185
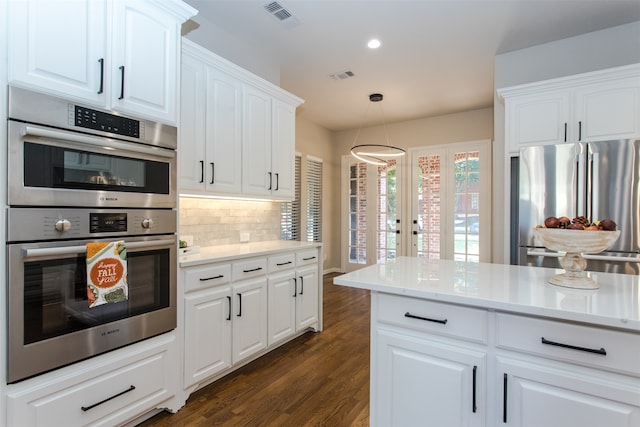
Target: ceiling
437, 56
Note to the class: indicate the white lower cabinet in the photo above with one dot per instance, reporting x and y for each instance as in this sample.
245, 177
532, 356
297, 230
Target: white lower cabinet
235, 311
440, 364
249, 315
423, 382
106, 391
293, 294
534, 394
208, 337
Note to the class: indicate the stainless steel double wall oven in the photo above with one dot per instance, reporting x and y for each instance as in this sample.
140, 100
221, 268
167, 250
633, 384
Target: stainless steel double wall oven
78, 175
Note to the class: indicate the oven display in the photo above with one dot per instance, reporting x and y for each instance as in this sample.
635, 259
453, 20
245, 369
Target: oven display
107, 222
92, 119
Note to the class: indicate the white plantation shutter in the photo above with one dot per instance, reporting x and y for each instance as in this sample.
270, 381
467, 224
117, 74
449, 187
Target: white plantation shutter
314, 200
290, 215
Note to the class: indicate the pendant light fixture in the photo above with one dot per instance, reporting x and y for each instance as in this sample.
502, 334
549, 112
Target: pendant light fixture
376, 154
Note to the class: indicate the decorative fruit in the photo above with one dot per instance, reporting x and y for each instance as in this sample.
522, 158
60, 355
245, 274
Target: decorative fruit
564, 221
551, 222
575, 226
608, 224
592, 227
582, 221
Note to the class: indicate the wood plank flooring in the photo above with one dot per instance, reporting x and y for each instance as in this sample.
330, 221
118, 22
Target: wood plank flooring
318, 379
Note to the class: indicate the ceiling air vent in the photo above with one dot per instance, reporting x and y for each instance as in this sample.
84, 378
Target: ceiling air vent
277, 10
342, 75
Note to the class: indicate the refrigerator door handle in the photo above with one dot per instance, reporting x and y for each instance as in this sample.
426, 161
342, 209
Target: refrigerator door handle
581, 183
595, 186
534, 252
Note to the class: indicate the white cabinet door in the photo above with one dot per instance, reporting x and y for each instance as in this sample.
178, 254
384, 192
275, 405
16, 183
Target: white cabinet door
207, 348
282, 306
59, 47
538, 119
420, 382
533, 395
191, 144
223, 130
249, 317
144, 67
608, 111
283, 150
307, 297
257, 177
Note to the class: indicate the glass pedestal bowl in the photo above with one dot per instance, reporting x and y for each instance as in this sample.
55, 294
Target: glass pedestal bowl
575, 243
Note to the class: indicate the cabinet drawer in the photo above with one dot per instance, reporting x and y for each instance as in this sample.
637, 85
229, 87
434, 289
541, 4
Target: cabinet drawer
433, 317
307, 257
109, 399
205, 277
281, 262
249, 268
592, 346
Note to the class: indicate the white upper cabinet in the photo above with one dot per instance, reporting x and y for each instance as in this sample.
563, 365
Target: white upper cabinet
596, 106
115, 54
237, 131
210, 128
59, 46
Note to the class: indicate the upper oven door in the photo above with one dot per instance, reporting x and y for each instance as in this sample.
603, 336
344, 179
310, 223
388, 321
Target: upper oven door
53, 167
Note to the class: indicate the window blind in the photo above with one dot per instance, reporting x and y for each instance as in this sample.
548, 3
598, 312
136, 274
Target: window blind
290, 215
314, 200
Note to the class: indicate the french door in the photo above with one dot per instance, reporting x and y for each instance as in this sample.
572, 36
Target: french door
451, 202
371, 225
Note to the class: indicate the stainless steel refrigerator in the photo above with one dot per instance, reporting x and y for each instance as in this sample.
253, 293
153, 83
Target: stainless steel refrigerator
597, 180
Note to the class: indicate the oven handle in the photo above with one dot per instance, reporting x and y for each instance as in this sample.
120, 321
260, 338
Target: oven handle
98, 142
71, 250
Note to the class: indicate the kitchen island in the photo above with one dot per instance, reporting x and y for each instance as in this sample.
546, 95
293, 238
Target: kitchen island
468, 344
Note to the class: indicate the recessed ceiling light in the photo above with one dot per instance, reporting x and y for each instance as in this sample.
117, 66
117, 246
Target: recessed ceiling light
373, 44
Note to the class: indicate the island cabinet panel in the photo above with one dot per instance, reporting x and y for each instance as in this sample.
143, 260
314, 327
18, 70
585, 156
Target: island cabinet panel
537, 393
418, 381
435, 363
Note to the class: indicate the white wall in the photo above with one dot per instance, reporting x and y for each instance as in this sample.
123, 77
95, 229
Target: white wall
594, 51
208, 35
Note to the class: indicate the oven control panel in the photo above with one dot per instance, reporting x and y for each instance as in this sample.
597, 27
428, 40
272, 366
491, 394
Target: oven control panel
34, 224
99, 120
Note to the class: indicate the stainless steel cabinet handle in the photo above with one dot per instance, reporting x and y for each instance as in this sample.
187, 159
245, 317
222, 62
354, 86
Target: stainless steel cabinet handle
601, 350
74, 250
86, 408
413, 316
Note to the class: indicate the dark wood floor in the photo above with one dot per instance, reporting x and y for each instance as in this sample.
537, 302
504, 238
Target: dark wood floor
319, 379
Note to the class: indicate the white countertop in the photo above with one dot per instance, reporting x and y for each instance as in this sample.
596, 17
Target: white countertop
220, 253
517, 289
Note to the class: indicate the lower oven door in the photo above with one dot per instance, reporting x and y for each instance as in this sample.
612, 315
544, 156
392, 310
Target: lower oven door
51, 323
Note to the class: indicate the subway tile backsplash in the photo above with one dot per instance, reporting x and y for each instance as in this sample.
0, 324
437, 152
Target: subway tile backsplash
215, 222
